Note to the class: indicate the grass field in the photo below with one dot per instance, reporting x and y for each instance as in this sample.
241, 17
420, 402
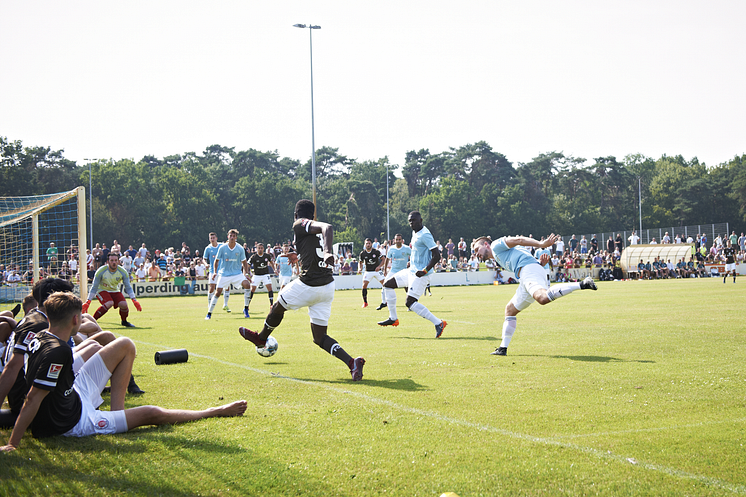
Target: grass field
637, 389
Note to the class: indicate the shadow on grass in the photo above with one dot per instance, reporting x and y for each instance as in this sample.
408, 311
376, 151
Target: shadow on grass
394, 384
587, 358
114, 465
444, 337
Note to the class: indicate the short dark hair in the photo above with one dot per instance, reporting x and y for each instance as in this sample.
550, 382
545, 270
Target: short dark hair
234, 230
114, 254
398, 234
61, 305
368, 240
47, 286
304, 209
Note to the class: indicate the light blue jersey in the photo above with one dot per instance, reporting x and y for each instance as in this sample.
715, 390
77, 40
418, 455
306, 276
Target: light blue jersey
286, 269
512, 259
230, 260
399, 257
538, 253
422, 243
209, 254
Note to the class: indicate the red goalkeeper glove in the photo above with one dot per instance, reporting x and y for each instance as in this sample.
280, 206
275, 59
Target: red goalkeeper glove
137, 305
85, 306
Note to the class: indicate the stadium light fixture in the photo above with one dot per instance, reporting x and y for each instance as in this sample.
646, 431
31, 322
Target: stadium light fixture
311, 27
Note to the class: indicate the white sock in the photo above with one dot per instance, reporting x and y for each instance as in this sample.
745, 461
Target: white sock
423, 311
246, 297
509, 326
383, 295
391, 301
209, 298
212, 304
561, 290
226, 294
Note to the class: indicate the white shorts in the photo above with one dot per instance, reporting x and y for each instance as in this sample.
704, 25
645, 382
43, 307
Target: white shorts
226, 281
318, 299
401, 278
77, 362
373, 275
730, 267
261, 278
532, 277
284, 280
416, 284
89, 383
213, 278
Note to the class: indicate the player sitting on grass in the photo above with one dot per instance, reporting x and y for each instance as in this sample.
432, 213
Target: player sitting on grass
61, 403
533, 285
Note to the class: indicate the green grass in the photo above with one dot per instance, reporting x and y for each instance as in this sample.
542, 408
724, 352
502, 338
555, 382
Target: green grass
637, 389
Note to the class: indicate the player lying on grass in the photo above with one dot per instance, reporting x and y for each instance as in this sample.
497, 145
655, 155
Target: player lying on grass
314, 289
61, 403
533, 286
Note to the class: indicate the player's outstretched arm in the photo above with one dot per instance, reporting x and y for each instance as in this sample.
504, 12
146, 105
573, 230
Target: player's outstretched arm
26, 416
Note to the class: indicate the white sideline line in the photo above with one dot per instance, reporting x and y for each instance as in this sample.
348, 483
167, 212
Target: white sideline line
657, 428
736, 489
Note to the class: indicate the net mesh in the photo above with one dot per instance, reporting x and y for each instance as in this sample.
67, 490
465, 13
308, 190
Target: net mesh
55, 249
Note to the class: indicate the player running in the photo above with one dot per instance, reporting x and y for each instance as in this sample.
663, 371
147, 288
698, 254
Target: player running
729, 252
108, 278
230, 265
314, 289
425, 255
209, 255
533, 285
399, 256
371, 264
261, 262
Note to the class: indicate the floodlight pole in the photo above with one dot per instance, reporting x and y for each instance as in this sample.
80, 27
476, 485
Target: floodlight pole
90, 200
311, 27
639, 196
388, 232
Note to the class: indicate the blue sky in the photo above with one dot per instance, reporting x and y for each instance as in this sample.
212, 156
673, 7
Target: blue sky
588, 78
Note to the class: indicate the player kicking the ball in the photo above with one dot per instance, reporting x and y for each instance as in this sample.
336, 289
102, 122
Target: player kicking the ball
425, 255
533, 286
314, 289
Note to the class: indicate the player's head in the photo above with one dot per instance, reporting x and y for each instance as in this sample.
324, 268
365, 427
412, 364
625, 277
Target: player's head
304, 209
481, 248
368, 244
260, 248
415, 220
285, 248
398, 240
113, 260
61, 307
232, 235
29, 302
213, 237
47, 286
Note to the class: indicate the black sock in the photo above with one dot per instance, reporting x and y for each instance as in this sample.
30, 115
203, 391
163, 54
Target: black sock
273, 321
17, 308
271, 297
331, 346
365, 295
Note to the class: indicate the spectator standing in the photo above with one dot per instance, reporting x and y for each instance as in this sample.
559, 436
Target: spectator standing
450, 246
619, 243
742, 242
560, 246
666, 239
633, 238
583, 245
594, 243
610, 244
142, 251
461, 248
573, 243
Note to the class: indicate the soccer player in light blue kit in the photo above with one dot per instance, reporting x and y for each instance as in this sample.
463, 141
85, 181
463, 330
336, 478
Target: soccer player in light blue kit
539, 253
286, 267
399, 256
230, 264
533, 286
425, 255
209, 255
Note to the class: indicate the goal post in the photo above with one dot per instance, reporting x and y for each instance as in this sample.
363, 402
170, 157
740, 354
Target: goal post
42, 236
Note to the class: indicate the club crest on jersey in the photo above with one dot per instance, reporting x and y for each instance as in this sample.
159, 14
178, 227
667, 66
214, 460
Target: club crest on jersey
54, 370
30, 336
102, 424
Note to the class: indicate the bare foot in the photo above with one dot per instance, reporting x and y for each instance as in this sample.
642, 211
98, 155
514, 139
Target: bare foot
236, 408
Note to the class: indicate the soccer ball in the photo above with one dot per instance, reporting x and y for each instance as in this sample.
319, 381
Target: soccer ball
269, 348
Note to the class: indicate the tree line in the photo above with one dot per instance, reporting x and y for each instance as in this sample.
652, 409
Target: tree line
466, 191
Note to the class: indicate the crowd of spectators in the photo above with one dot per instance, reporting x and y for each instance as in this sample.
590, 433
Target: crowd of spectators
144, 264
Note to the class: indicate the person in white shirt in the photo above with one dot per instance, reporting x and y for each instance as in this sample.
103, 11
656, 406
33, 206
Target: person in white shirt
633, 238
141, 273
560, 247
666, 238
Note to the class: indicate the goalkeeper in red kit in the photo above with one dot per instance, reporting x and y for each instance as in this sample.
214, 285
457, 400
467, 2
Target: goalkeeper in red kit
108, 278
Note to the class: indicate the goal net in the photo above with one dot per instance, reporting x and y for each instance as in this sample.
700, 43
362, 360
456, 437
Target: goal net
41, 236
